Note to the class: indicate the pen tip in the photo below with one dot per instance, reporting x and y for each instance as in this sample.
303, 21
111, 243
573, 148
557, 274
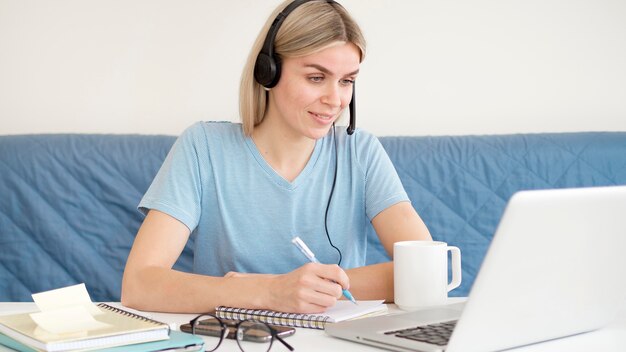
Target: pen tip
349, 296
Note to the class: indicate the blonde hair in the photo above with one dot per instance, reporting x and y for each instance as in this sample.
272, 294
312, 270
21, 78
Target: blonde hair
311, 27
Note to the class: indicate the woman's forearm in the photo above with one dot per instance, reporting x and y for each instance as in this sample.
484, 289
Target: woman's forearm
372, 282
312, 288
167, 290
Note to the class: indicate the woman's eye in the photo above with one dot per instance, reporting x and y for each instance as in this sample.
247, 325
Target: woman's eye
316, 78
347, 82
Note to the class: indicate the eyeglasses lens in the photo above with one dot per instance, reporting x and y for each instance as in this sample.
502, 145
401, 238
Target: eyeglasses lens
254, 336
211, 327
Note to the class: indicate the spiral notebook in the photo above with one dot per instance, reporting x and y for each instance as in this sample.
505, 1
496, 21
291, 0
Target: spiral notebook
343, 310
119, 327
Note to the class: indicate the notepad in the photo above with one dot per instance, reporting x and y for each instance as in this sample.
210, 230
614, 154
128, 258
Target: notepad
343, 310
54, 327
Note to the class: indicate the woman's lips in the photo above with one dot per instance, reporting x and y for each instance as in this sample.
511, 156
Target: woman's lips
323, 118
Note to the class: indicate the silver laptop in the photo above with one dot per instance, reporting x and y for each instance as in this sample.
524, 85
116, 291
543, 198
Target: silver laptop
555, 268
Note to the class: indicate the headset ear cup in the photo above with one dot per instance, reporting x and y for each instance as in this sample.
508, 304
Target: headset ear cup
266, 70
277, 65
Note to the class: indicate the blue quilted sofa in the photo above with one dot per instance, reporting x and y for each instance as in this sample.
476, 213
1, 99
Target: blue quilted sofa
68, 202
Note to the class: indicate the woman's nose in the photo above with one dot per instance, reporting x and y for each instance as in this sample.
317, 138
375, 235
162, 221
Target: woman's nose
332, 95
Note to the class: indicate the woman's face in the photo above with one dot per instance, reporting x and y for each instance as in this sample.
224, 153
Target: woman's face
313, 90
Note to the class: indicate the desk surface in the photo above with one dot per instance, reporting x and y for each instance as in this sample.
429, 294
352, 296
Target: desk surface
610, 338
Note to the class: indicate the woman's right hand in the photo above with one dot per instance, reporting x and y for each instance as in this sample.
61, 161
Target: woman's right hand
312, 288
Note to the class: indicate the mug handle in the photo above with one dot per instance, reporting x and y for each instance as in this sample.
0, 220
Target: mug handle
456, 268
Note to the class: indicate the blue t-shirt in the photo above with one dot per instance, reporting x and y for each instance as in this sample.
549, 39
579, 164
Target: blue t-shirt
243, 214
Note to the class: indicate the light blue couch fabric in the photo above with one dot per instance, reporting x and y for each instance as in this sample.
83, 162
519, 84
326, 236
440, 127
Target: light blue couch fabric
68, 202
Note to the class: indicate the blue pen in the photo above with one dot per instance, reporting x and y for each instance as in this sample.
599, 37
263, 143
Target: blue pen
311, 257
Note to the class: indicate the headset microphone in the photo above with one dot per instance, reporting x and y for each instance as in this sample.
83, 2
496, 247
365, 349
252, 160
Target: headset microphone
352, 108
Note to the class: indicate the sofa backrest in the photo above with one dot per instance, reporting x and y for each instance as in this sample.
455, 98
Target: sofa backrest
68, 210
68, 202
460, 185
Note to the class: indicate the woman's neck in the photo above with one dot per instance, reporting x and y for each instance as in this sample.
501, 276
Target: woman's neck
286, 153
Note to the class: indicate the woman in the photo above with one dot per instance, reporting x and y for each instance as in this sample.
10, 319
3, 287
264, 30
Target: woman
245, 190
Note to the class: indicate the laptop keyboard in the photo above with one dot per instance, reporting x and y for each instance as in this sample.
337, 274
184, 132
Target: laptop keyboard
437, 334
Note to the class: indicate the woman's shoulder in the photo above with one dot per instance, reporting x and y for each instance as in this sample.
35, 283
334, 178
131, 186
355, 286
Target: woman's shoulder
215, 127
206, 131
364, 146
358, 140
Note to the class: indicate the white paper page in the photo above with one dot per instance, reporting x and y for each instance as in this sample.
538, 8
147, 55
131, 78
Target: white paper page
66, 310
69, 296
345, 310
67, 320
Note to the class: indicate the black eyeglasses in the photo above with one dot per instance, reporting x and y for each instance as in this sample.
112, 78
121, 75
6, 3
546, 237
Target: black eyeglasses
251, 335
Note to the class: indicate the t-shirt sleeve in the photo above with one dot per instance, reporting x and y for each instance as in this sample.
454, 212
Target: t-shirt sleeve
383, 187
176, 189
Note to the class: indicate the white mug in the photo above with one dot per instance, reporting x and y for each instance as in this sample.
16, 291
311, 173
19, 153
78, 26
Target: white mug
420, 273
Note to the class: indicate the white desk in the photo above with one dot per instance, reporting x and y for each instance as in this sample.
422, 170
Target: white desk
608, 339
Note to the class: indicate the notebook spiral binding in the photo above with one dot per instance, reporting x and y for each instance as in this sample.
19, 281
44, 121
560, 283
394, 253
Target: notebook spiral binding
132, 315
271, 317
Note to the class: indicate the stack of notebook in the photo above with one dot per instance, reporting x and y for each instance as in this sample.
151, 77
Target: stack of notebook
84, 326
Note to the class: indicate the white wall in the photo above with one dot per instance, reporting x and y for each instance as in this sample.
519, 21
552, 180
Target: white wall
433, 67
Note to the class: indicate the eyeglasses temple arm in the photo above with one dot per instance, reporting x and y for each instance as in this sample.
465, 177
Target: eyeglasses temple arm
284, 342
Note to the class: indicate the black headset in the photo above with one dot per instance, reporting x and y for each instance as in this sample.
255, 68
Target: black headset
267, 66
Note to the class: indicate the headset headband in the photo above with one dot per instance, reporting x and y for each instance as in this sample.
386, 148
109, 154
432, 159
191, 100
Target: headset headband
268, 45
